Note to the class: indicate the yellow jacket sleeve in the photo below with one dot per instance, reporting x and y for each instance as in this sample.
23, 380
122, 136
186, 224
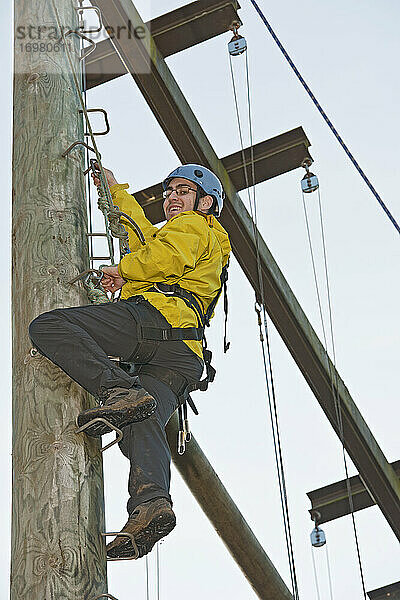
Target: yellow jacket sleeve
170, 253
127, 204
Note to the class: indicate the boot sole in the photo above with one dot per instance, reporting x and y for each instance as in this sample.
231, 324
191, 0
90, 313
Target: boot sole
118, 418
158, 528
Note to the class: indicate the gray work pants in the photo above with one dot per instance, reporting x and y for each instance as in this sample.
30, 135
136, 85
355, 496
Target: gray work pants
80, 340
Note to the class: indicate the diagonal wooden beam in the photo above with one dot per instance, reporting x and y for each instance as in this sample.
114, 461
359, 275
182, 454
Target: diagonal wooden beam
273, 157
185, 134
226, 518
173, 32
332, 502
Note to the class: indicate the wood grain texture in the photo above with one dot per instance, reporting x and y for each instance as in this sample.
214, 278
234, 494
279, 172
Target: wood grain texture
58, 503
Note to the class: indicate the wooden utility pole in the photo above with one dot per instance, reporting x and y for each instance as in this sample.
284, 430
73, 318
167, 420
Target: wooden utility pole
58, 506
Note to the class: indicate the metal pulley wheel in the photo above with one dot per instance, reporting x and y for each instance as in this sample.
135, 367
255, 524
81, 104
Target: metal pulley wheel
309, 182
318, 537
238, 43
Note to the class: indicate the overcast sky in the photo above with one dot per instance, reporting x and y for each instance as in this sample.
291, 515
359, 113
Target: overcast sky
348, 54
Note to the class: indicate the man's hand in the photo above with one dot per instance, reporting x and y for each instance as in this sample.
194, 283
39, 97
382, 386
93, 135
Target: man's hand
109, 176
112, 280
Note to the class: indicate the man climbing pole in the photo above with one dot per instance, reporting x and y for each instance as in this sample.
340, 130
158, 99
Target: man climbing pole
169, 289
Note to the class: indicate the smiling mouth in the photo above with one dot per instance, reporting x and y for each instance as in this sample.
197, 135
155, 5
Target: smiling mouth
174, 209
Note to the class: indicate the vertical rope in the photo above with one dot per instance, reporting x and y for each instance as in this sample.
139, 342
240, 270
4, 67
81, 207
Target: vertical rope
333, 372
147, 579
267, 369
315, 574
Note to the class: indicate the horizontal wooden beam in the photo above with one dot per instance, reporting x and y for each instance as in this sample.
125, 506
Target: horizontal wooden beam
176, 118
173, 32
271, 158
391, 592
332, 501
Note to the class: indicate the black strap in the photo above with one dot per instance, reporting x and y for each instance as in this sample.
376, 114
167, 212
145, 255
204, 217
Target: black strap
171, 333
189, 298
223, 279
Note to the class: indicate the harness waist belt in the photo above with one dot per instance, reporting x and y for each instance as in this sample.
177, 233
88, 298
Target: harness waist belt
172, 333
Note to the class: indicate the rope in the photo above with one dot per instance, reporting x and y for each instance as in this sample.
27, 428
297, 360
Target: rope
267, 369
147, 579
315, 574
88, 186
325, 116
328, 568
158, 570
333, 372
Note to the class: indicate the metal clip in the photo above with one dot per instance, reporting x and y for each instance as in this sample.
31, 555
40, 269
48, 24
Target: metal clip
118, 431
80, 10
123, 534
101, 110
186, 429
181, 443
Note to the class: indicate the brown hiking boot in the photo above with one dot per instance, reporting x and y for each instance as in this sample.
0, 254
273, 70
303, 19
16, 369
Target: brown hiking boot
122, 407
148, 523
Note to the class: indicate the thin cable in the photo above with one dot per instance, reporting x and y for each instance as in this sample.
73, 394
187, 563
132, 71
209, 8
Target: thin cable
267, 370
158, 570
325, 116
333, 374
337, 399
328, 568
88, 186
147, 579
315, 574
275, 420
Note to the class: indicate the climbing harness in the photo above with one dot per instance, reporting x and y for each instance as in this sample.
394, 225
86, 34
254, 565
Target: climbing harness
151, 335
261, 311
309, 184
324, 115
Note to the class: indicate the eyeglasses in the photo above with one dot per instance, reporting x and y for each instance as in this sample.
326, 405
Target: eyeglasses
181, 190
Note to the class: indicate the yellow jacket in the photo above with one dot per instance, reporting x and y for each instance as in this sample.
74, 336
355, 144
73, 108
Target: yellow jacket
190, 249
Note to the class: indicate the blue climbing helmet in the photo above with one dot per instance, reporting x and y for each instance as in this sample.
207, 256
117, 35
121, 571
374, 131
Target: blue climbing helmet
205, 179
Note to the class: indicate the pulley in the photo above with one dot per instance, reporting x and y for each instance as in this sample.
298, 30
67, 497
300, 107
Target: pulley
309, 182
238, 43
317, 537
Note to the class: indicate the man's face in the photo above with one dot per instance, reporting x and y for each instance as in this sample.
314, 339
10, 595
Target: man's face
177, 201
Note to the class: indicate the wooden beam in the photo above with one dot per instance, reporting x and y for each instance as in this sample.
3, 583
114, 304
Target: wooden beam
391, 592
173, 32
57, 494
189, 141
271, 158
332, 501
226, 518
